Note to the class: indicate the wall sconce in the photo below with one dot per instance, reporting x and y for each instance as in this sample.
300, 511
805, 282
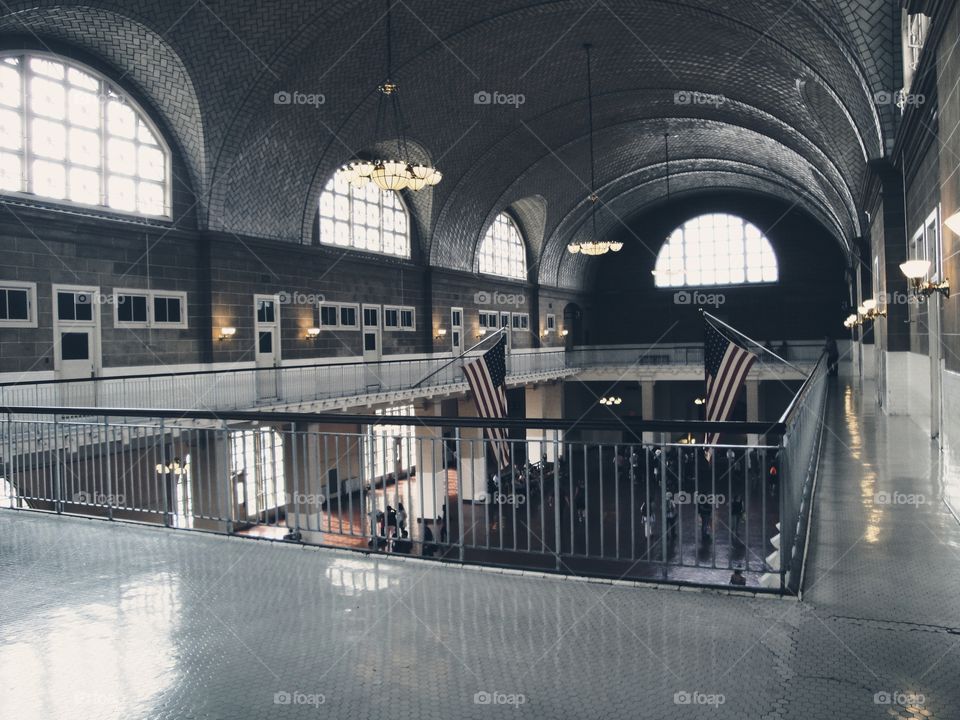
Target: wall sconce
852, 321
481, 332
441, 334
916, 272
700, 401
312, 333
613, 400
870, 311
227, 332
564, 332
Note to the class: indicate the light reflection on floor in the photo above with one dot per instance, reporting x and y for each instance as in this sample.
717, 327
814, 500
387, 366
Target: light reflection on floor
101, 659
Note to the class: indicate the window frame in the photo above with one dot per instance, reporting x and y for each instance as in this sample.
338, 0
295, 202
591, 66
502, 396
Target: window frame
181, 324
106, 85
130, 292
523, 318
677, 251
551, 322
484, 318
151, 322
500, 253
31, 290
351, 200
399, 310
338, 309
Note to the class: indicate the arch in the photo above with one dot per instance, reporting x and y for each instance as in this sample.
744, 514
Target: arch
125, 47
716, 249
70, 134
502, 252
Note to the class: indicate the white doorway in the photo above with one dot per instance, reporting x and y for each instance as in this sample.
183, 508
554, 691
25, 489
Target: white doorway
372, 351
266, 333
76, 341
456, 331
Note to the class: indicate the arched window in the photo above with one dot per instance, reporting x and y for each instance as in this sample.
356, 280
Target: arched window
502, 251
363, 218
67, 133
716, 249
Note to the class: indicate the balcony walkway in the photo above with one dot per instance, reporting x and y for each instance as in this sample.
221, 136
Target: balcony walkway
107, 621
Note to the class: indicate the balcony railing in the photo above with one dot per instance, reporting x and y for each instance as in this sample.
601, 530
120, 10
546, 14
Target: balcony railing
680, 354
247, 388
292, 385
623, 509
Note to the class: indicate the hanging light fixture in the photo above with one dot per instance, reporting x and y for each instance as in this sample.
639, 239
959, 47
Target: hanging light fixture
399, 172
594, 246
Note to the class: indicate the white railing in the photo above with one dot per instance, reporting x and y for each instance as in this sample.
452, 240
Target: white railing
262, 387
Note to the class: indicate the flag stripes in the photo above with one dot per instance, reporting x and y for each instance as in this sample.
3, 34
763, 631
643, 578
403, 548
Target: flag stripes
726, 365
486, 376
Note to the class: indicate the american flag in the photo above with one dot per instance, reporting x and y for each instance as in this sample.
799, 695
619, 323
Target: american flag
487, 377
726, 365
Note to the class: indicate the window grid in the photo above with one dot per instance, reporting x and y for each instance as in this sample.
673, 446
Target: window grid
502, 250
716, 250
363, 218
67, 134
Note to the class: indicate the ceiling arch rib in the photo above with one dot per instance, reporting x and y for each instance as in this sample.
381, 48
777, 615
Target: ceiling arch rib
573, 271
649, 187
527, 148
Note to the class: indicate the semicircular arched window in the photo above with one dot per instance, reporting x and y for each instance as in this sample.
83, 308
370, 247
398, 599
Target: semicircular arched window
363, 218
502, 251
716, 249
68, 134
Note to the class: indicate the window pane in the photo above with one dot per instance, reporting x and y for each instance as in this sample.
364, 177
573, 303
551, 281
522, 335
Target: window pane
150, 198
49, 179
121, 121
11, 130
150, 163
83, 108
121, 193
14, 304
10, 87
348, 317
47, 98
121, 156
84, 147
49, 139
84, 186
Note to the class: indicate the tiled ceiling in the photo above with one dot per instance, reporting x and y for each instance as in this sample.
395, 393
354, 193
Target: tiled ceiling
787, 105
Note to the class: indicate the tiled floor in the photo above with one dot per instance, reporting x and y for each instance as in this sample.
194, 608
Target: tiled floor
101, 620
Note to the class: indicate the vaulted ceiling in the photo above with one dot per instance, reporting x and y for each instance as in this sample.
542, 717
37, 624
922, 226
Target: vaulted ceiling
786, 104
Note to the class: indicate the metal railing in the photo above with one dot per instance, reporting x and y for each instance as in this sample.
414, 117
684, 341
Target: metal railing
426, 486
246, 388
249, 388
674, 354
803, 429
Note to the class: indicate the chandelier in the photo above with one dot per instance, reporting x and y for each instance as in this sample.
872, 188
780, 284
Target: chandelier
593, 247
399, 172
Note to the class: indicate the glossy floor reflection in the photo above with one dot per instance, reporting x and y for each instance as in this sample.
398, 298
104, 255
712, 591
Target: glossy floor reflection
101, 620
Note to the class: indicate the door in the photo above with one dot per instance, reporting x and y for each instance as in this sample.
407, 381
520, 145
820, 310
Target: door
505, 323
76, 342
456, 331
371, 345
267, 345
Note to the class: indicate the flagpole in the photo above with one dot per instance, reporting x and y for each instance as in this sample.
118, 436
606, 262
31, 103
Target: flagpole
500, 331
751, 340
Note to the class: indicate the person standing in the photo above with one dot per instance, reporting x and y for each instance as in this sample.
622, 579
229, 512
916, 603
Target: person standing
401, 518
833, 356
